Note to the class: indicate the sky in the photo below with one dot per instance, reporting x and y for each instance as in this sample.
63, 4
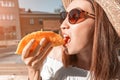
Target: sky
40, 5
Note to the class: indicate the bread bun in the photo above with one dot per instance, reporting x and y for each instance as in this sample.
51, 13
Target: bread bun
55, 38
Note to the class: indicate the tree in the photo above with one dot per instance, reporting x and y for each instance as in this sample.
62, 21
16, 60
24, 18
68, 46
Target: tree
60, 9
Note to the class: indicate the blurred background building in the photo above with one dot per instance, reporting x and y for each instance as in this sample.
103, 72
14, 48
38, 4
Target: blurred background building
31, 21
9, 20
15, 22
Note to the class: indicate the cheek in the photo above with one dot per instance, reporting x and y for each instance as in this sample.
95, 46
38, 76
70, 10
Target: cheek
82, 34
80, 40
85, 30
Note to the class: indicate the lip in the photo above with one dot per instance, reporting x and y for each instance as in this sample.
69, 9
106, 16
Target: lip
66, 39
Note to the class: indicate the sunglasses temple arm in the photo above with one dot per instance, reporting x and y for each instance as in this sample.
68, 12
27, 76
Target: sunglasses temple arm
91, 15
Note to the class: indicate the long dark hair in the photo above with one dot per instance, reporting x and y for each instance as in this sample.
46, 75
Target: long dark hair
105, 64
106, 42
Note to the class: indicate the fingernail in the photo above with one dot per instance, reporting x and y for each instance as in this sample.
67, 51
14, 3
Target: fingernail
32, 40
42, 41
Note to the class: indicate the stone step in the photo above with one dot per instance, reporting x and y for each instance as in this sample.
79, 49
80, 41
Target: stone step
13, 69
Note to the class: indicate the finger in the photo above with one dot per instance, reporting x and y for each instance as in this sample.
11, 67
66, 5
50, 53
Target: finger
39, 62
28, 60
37, 65
43, 50
43, 41
40, 47
43, 54
27, 48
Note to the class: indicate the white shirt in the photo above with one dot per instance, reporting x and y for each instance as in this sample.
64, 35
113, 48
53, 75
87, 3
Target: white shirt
49, 68
54, 70
72, 73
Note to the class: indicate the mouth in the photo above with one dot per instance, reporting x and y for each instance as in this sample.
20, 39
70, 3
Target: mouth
66, 39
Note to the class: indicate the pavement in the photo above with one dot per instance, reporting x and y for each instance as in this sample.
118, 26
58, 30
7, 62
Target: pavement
11, 65
7, 55
13, 77
5, 49
13, 69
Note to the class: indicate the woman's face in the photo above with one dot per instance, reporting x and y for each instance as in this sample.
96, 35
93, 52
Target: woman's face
78, 36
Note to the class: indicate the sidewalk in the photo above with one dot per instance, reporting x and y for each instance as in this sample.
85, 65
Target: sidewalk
5, 43
13, 77
13, 69
11, 48
13, 72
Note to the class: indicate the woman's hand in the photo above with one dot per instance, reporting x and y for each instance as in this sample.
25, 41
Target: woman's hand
34, 61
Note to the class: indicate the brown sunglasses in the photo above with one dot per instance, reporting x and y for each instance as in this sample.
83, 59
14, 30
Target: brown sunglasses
76, 16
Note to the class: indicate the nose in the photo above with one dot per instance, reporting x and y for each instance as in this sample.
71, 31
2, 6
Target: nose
65, 25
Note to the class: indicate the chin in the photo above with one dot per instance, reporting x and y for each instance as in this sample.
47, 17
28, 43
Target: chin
71, 52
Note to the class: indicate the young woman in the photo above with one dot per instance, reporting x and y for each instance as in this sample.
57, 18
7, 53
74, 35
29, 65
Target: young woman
91, 51
93, 40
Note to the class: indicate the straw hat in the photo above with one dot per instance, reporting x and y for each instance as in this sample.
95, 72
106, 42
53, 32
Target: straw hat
112, 9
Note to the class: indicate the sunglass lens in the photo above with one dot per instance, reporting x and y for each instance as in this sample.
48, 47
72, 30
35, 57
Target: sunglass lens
74, 16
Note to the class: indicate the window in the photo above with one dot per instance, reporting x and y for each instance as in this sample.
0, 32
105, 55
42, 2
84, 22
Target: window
7, 4
3, 17
7, 17
11, 17
0, 17
40, 21
2, 3
12, 4
31, 21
